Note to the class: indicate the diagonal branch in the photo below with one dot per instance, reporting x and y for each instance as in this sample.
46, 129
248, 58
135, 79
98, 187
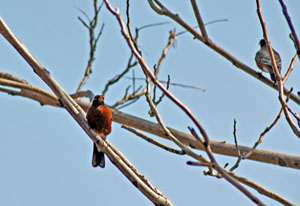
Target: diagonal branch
199, 20
79, 115
291, 67
152, 141
262, 190
289, 21
277, 74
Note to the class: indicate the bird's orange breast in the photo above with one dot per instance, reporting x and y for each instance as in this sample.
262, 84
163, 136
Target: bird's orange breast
99, 119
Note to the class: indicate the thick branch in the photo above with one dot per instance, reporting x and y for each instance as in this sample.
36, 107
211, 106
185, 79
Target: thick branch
187, 139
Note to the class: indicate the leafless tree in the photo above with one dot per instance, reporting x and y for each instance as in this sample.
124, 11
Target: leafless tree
199, 138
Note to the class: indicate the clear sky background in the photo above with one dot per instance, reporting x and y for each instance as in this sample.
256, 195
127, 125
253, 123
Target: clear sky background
45, 157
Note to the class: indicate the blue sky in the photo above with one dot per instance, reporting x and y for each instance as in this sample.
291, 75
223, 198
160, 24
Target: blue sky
46, 157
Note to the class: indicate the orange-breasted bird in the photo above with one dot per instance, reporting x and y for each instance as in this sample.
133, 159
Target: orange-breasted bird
264, 61
99, 119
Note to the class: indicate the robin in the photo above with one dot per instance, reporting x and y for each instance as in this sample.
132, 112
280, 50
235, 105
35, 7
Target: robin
99, 119
264, 61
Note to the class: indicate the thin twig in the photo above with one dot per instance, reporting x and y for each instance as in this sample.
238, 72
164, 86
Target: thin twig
206, 24
133, 81
152, 141
199, 20
171, 83
294, 114
128, 24
134, 96
151, 25
127, 104
163, 94
237, 148
291, 67
165, 51
289, 21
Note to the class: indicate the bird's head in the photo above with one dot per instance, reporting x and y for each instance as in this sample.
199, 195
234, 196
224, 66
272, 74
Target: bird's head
262, 43
98, 100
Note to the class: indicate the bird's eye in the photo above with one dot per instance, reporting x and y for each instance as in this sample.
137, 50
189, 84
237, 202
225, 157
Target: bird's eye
101, 98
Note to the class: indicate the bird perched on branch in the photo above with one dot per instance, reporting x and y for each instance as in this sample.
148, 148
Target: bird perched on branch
99, 118
264, 60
